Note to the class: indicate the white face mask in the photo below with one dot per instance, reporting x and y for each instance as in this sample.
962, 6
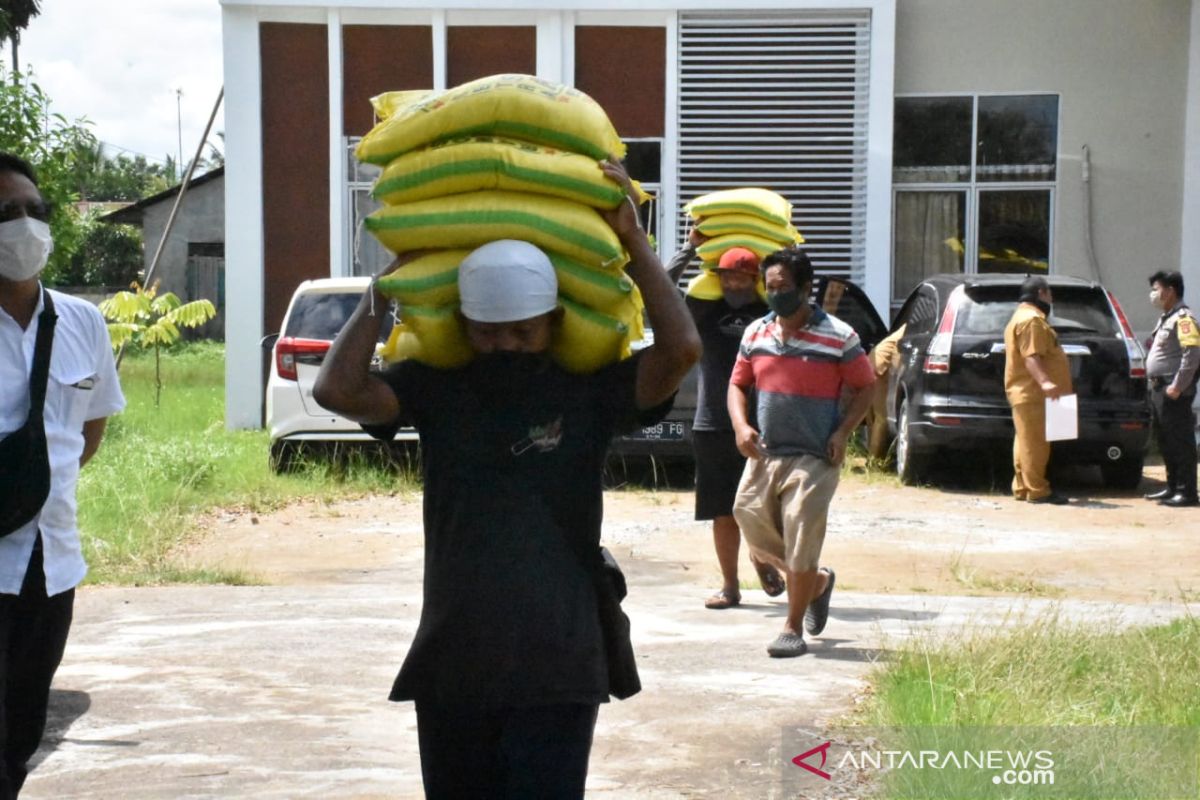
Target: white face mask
1156, 298
25, 244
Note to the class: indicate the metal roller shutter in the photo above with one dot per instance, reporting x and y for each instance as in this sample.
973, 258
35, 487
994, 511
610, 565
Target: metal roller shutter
779, 100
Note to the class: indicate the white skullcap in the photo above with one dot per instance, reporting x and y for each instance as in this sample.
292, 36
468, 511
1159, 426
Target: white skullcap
506, 281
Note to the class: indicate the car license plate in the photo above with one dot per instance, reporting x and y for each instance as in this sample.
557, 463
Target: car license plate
663, 431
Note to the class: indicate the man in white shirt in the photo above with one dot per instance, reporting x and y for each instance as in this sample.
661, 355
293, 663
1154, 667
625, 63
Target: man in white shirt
41, 562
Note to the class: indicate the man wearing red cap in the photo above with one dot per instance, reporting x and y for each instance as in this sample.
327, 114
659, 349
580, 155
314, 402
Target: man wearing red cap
719, 465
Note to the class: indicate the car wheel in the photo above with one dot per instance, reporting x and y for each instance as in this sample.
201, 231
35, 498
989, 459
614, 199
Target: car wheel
911, 463
283, 456
1124, 474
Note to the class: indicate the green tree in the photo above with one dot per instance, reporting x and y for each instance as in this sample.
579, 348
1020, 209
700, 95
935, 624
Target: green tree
148, 319
52, 144
108, 255
14, 18
100, 178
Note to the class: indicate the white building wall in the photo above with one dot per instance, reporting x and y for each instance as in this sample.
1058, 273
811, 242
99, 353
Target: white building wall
1121, 68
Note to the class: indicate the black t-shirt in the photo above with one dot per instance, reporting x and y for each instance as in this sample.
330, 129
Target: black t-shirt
512, 484
721, 327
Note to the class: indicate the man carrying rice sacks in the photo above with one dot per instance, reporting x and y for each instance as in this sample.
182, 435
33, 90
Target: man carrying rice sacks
721, 320
507, 667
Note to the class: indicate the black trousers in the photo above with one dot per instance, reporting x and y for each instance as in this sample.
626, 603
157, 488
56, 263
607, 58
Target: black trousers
33, 634
511, 753
1175, 426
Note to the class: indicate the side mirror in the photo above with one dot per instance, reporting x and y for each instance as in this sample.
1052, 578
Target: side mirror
268, 341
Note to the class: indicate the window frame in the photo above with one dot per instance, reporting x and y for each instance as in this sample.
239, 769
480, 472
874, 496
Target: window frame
973, 187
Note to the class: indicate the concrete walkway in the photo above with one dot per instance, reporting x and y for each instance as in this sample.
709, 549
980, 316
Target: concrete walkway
280, 691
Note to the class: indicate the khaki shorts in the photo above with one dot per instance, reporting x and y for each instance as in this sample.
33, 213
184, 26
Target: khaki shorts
782, 505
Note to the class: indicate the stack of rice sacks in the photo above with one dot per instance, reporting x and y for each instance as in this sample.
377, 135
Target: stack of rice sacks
757, 219
502, 157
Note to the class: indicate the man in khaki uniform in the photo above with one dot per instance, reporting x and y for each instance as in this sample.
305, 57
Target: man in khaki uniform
1035, 367
885, 357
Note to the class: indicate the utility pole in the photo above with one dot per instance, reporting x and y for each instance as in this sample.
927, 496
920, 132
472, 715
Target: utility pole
179, 130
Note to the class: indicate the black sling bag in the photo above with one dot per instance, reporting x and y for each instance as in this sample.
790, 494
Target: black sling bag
24, 455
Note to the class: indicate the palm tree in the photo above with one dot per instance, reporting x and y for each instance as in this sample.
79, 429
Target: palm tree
14, 18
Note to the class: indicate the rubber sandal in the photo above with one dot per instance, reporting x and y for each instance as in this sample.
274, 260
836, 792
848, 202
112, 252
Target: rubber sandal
722, 600
772, 582
817, 613
787, 645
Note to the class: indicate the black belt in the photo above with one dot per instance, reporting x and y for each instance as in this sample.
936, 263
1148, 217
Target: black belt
1159, 383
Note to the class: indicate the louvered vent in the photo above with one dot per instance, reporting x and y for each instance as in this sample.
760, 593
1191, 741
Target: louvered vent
780, 101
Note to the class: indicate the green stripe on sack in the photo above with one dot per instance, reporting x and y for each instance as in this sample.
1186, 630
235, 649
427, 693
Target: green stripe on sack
595, 317
603, 194
518, 130
743, 208
508, 217
774, 234
611, 282
429, 312
399, 284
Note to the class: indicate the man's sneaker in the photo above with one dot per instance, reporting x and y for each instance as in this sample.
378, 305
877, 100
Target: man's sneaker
1054, 499
817, 613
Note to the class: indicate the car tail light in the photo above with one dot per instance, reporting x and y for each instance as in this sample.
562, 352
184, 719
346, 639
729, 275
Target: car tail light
1133, 348
937, 357
288, 349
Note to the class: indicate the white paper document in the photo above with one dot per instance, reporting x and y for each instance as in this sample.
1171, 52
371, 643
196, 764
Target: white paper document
1062, 418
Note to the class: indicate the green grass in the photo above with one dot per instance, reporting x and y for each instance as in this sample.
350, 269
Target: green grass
1045, 673
160, 469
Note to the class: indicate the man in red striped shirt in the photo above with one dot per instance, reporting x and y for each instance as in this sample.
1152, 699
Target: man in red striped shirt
813, 383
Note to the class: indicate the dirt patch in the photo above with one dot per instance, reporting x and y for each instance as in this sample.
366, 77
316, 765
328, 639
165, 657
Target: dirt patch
883, 538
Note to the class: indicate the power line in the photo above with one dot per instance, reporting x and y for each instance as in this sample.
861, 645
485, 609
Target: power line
132, 152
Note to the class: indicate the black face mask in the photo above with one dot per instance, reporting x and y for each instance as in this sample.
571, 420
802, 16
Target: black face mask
784, 304
1042, 305
741, 297
505, 375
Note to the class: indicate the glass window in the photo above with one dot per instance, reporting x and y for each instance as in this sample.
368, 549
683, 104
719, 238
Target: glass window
974, 183
930, 228
1017, 137
321, 315
920, 315
1081, 309
643, 162
1014, 231
368, 256
932, 139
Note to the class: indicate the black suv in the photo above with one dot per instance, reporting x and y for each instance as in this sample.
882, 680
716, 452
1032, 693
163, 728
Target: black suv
948, 390
671, 439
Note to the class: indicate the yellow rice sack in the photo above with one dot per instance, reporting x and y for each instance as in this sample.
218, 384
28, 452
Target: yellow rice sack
510, 105
722, 224
478, 163
388, 103
430, 279
710, 252
587, 340
603, 290
475, 218
433, 336
761, 203
707, 286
